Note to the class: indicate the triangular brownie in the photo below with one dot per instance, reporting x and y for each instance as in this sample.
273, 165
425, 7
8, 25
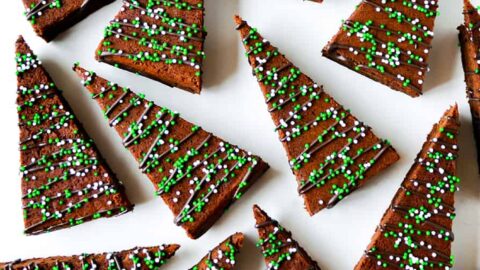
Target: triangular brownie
51, 17
197, 174
387, 41
222, 256
162, 40
65, 181
144, 258
416, 230
470, 45
331, 153
280, 250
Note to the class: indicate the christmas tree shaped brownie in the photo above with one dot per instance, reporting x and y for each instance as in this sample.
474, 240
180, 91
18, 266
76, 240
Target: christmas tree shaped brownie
470, 45
387, 41
51, 17
279, 249
416, 230
331, 153
138, 258
222, 256
162, 40
65, 181
197, 174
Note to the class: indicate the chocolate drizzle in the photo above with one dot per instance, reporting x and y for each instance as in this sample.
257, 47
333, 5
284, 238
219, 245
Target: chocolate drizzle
56, 155
388, 41
279, 249
137, 258
415, 232
469, 38
157, 34
309, 122
223, 256
188, 166
40, 6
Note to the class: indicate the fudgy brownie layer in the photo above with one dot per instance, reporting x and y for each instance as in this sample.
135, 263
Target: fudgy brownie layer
197, 174
65, 180
331, 152
416, 230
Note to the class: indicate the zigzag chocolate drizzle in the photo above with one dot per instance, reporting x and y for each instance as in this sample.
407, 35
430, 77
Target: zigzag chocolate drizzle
168, 154
406, 42
62, 158
291, 96
138, 258
277, 251
420, 215
165, 24
37, 9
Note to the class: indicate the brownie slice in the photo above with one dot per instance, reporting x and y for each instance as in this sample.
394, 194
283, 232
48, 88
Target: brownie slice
280, 250
416, 230
387, 41
65, 180
162, 40
138, 258
222, 256
331, 153
469, 36
197, 174
51, 17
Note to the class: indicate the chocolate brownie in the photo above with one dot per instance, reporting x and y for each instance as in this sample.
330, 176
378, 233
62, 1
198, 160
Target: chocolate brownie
280, 250
387, 41
416, 230
65, 181
469, 36
51, 17
222, 256
162, 40
144, 258
331, 153
197, 174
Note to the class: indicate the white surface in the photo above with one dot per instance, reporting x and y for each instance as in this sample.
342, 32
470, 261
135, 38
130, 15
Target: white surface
232, 107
